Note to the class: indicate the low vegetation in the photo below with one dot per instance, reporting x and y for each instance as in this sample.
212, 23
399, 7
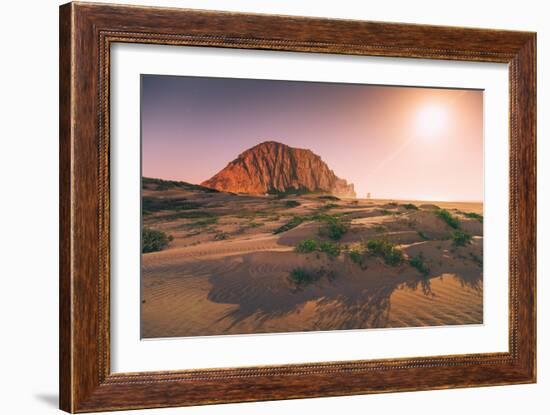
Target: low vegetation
200, 223
159, 184
295, 221
385, 250
307, 246
356, 256
292, 203
461, 238
311, 245
290, 192
334, 227
329, 248
302, 276
419, 263
153, 240
154, 204
410, 206
473, 215
448, 218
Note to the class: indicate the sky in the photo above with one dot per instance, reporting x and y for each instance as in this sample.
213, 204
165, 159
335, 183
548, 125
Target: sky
392, 142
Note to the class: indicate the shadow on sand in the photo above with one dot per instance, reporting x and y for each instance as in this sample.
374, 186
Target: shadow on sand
346, 297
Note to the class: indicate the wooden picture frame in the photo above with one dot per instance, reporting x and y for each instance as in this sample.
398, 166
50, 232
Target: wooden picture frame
86, 33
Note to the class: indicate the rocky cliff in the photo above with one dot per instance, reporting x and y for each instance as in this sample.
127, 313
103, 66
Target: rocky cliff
272, 167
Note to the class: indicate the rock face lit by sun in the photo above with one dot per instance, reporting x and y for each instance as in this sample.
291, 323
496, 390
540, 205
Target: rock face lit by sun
431, 121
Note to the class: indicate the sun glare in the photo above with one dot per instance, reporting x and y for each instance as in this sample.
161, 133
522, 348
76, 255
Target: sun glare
431, 121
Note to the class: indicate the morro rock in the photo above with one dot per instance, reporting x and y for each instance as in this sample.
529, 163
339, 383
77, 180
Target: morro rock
272, 167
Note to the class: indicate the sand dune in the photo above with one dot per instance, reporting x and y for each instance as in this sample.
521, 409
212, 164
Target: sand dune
231, 274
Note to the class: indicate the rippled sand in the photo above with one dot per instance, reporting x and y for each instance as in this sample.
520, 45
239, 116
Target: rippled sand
203, 286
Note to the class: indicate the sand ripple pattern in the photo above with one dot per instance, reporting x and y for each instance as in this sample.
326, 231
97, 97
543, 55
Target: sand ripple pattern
252, 293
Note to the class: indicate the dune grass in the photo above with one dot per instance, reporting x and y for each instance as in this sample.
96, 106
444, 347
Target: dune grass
385, 250
302, 276
160, 185
473, 215
379, 228
419, 263
461, 238
201, 222
330, 248
311, 245
306, 246
334, 227
356, 256
448, 218
292, 203
153, 240
295, 221
154, 204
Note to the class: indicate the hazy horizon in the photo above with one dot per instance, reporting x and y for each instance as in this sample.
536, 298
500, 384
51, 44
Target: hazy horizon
406, 143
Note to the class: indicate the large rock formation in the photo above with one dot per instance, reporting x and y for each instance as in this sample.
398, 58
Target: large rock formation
272, 167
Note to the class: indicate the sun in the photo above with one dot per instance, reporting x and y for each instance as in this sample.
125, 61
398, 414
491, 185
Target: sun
431, 121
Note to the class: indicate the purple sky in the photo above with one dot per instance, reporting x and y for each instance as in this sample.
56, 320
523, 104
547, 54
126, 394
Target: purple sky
394, 142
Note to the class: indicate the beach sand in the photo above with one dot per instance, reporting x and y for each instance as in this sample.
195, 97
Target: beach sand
227, 272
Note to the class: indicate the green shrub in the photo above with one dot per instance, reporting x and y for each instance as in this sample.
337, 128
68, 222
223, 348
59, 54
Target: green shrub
386, 250
201, 223
356, 256
159, 184
461, 238
334, 227
295, 221
329, 248
306, 246
156, 204
303, 276
418, 263
292, 203
410, 206
448, 218
310, 245
475, 216
153, 240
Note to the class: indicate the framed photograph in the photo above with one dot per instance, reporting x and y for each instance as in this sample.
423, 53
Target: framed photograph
260, 207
